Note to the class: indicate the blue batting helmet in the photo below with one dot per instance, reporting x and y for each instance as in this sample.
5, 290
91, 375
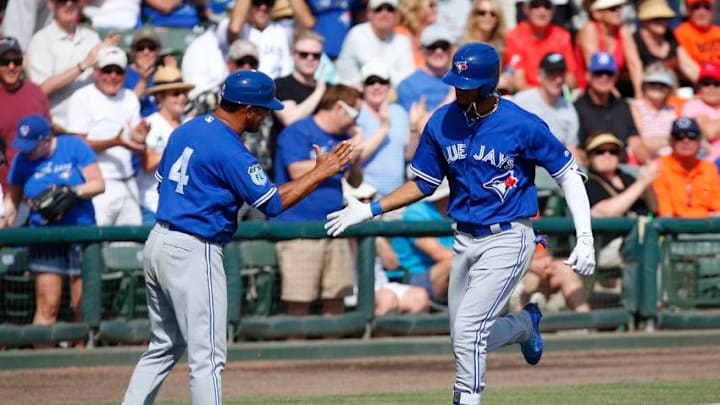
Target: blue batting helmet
251, 87
474, 66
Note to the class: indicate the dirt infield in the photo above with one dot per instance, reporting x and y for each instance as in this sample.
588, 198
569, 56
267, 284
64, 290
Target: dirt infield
374, 375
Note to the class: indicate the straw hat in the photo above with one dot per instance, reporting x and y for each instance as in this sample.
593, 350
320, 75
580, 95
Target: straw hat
600, 139
168, 78
651, 9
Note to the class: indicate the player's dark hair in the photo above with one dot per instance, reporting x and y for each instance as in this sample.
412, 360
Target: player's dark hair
229, 106
338, 92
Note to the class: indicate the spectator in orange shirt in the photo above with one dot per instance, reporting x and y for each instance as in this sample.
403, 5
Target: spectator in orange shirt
534, 38
698, 36
686, 186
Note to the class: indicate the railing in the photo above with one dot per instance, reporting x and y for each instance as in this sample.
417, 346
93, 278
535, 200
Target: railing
640, 296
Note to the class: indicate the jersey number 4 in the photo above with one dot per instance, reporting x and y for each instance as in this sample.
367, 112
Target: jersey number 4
178, 171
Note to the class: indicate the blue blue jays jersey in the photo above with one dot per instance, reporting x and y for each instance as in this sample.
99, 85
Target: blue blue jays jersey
489, 163
63, 168
205, 174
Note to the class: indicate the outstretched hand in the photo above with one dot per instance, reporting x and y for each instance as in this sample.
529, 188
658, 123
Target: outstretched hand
354, 213
332, 162
582, 258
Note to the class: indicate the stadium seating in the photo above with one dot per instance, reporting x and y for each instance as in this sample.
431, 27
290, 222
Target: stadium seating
691, 271
123, 295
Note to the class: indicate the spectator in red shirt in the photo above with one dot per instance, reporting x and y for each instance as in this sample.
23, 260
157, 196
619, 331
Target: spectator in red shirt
532, 39
24, 96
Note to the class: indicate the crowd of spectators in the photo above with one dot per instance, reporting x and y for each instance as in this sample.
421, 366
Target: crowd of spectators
621, 83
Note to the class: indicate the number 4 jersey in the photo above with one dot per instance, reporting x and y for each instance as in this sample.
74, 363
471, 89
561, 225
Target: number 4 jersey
205, 175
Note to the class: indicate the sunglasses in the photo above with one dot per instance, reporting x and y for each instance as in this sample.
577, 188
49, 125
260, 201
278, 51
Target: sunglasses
7, 61
443, 45
150, 46
248, 60
384, 7
373, 80
108, 70
613, 8
351, 111
602, 151
541, 3
258, 3
63, 2
708, 82
602, 73
484, 13
679, 136
703, 5
305, 55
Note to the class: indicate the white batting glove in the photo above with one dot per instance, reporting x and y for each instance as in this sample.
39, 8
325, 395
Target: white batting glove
354, 213
582, 258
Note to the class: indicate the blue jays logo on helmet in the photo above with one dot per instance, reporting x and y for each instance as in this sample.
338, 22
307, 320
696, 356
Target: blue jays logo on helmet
476, 65
460, 66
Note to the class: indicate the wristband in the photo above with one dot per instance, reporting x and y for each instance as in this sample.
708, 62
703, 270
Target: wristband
375, 208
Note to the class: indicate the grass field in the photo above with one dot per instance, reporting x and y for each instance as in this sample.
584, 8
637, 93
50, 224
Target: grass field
666, 393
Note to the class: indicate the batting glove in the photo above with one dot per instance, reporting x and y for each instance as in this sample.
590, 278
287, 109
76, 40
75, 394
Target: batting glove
582, 258
354, 213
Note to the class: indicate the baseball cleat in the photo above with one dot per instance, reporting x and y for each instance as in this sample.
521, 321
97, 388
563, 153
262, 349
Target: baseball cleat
532, 350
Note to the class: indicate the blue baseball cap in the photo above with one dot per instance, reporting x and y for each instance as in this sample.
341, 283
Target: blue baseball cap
251, 87
685, 125
30, 131
602, 62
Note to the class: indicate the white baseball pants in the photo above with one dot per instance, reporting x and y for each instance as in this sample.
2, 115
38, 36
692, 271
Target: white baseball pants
186, 294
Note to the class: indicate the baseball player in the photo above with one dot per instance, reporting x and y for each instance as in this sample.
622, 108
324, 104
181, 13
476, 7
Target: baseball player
488, 148
205, 175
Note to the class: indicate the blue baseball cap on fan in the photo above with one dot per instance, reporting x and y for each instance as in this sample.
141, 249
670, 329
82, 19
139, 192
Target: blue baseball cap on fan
685, 125
602, 62
30, 131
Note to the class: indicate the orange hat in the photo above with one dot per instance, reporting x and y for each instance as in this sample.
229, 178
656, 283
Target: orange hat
691, 2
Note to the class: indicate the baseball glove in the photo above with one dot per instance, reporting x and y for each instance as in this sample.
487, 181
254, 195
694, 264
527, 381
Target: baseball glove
53, 203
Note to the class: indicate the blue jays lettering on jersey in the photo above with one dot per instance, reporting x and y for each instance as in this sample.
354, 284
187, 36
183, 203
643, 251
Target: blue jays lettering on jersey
295, 144
63, 167
205, 174
493, 177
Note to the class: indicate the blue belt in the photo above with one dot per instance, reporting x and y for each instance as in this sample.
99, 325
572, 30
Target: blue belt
173, 228
483, 230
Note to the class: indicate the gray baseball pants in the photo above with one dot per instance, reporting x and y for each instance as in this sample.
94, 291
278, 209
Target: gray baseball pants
186, 295
485, 270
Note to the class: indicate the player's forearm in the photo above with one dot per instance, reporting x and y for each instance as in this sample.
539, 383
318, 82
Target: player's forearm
294, 191
577, 200
401, 196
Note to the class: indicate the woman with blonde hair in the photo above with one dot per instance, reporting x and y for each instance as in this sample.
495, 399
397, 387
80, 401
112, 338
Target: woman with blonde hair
415, 15
652, 113
486, 23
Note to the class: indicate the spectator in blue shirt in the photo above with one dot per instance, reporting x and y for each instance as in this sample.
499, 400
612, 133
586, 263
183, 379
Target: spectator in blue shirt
428, 259
311, 268
44, 162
